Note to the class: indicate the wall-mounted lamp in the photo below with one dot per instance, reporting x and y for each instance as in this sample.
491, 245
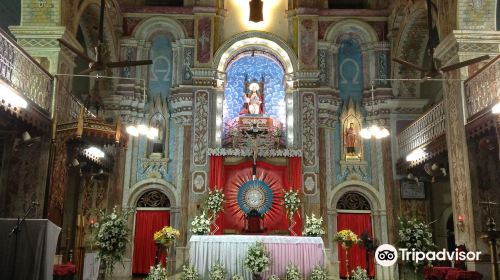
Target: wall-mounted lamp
460, 223
142, 129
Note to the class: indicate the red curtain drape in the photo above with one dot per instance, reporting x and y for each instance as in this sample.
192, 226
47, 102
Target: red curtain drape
216, 179
358, 223
296, 184
146, 224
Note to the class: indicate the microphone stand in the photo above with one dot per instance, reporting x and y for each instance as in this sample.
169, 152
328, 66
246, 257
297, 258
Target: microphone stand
16, 230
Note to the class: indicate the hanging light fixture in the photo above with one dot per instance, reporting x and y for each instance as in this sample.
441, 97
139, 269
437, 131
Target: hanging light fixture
374, 130
256, 14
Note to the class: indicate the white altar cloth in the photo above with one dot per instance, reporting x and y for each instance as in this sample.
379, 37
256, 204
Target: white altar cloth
231, 250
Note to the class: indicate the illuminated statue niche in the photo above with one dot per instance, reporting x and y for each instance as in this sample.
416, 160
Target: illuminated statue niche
352, 159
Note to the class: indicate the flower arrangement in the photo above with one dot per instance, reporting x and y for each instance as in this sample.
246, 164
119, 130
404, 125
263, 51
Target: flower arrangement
292, 273
189, 273
157, 273
237, 277
346, 238
313, 226
218, 272
112, 237
257, 259
273, 277
318, 273
359, 274
291, 201
166, 235
214, 202
415, 234
200, 225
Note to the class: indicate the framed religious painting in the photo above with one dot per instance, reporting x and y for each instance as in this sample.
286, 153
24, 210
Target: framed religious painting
411, 189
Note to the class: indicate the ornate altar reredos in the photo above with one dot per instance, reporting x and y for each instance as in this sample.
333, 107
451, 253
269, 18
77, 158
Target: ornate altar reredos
254, 105
352, 149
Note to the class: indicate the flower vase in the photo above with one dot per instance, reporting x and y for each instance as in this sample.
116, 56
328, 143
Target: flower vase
347, 248
291, 224
213, 226
168, 261
256, 276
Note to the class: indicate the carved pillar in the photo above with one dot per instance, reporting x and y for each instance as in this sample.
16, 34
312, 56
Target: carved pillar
182, 107
459, 46
327, 109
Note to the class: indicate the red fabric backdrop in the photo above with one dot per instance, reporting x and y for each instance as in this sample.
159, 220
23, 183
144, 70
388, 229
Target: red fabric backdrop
295, 171
358, 223
146, 224
216, 179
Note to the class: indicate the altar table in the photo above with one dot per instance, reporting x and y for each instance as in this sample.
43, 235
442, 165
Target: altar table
231, 250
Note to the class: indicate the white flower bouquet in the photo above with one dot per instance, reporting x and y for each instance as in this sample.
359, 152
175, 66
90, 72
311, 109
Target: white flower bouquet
200, 225
273, 277
293, 273
257, 259
318, 273
157, 273
237, 277
415, 234
189, 273
112, 237
359, 274
313, 226
218, 272
214, 202
291, 202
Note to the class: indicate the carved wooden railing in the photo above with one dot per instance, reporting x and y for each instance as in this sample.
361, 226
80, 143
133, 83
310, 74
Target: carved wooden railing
68, 107
423, 130
24, 74
482, 89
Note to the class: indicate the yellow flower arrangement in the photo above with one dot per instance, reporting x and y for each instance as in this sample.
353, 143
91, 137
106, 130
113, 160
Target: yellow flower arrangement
166, 235
346, 237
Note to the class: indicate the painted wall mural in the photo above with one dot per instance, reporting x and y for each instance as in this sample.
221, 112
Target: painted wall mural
255, 67
160, 80
350, 69
308, 30
203, 40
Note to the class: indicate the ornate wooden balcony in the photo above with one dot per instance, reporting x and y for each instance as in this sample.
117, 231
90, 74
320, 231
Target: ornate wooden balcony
482, 90
423, 131
22, 73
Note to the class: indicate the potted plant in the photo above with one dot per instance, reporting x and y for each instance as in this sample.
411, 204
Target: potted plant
200, 225
313, 226
346, 238
257, 260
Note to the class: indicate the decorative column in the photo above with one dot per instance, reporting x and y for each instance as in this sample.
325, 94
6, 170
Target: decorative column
460, 180
182, 109
327, 108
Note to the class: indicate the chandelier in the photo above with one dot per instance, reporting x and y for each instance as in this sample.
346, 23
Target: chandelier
374, 131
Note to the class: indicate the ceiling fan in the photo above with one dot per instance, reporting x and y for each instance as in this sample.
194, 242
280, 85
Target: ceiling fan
98, 64
433, 71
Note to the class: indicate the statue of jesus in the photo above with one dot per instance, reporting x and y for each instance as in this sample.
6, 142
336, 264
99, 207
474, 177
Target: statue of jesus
350, 139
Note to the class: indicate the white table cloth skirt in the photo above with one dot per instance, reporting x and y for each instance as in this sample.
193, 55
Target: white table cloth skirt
231, 251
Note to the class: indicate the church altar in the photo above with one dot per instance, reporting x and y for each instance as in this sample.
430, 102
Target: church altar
231, 250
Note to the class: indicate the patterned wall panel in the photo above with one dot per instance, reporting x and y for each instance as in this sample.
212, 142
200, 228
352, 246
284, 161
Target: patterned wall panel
203, 44
200, 128
309, 130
